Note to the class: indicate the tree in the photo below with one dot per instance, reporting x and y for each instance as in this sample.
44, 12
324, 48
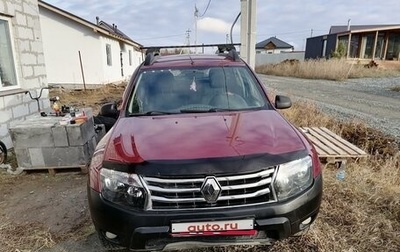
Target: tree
340, 51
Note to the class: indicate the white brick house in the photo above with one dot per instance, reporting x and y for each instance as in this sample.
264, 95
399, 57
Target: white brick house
106, 53
22, 64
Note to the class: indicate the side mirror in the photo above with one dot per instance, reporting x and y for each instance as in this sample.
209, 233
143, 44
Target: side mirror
109, 110
282, 102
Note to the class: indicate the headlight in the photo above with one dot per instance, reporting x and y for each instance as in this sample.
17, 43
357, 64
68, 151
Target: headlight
122, 188
293, 178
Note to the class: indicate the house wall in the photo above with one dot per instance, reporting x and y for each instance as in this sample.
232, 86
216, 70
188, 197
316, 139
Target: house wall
314, 47
62, 41
272, 51
119, 49
26, 36
264, 59
331, 44
64, 38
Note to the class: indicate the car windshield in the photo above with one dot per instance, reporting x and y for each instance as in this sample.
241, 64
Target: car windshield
191, 90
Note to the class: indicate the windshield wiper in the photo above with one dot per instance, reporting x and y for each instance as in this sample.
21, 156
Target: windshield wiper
152, 112
221, 109
205, 110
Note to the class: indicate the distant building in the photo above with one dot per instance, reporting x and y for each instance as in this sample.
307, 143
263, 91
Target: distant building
359, 41
273, 45
77, 50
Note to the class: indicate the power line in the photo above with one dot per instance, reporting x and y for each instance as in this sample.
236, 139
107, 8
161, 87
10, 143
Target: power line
169, 36
205, 11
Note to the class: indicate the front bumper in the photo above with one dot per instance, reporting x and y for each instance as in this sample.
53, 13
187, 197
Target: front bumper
150, 230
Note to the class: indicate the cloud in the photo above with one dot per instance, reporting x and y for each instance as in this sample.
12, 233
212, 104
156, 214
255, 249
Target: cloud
215, 25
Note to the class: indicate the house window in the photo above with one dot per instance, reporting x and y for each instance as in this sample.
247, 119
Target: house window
8, 77
108, 53
130, 57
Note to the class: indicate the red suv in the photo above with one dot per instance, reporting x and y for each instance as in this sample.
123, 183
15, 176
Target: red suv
199, 154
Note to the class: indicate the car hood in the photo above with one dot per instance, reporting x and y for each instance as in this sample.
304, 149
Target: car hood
198, 136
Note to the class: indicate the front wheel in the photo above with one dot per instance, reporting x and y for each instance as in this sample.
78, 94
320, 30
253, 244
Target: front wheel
3, 152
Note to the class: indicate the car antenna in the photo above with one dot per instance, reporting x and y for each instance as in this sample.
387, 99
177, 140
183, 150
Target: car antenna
191, 60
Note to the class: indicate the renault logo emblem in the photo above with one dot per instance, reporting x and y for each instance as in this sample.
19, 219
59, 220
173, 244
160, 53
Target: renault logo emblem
210, 189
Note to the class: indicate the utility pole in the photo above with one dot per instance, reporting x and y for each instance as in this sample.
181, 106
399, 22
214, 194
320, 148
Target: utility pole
311, 33
196, 17
188, 37
248, 31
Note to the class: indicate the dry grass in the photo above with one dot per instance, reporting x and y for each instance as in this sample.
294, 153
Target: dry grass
396, 89
26, 237
90, 98
333, 69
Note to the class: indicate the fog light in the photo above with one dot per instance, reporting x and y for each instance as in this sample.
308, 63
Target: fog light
305, 223
111, 235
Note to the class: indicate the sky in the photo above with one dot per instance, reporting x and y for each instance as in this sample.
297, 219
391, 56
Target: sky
166, 22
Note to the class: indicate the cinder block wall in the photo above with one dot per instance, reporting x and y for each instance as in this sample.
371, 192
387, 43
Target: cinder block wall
30, 68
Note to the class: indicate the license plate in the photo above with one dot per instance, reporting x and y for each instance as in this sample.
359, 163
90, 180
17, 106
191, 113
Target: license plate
228, 227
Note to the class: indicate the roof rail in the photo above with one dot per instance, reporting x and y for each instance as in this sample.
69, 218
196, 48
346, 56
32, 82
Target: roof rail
232, 54
151, 56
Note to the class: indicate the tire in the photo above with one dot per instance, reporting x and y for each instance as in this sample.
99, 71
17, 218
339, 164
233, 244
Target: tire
3, 153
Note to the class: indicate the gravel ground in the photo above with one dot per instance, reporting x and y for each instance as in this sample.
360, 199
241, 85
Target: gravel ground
369, 100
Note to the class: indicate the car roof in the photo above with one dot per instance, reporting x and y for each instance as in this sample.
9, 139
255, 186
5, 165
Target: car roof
193, 60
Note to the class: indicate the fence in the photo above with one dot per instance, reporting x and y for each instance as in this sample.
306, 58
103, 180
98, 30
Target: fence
263, 59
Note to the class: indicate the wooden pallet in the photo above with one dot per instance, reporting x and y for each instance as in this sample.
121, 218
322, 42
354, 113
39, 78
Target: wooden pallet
332, 147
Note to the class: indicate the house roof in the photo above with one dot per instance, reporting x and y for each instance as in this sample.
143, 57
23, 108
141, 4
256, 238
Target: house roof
361, 28
102, 27
113, 29
279, 44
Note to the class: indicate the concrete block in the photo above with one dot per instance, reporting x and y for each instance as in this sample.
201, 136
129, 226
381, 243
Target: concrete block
24, 137
12, 100
36, 46
5, 115
33, 107
27, 71
21, 18
28, 58
74, 135
24, 45
2, 8
10, 8
30, 8
20, 110
87, 130
23, 158
25, 33
40, 60
3, 130
64, 156
37, 157
92, 146
39, 70
32, 82
60, 136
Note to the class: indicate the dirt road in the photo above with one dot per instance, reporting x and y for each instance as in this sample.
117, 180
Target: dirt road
369, 100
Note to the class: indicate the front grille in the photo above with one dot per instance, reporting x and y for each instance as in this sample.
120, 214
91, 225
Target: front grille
185, 193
